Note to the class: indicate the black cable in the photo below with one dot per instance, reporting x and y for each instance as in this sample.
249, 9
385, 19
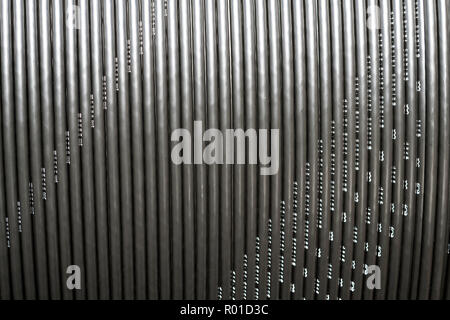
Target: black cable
10, 150
338, 146
21, 132
275, 62
188, 169
162, 144
387, 149
98, 124
61, 157
125, 150
348, 216
213, 171
137, 150
410, 152
300, 144
326, 114
72, 102
112, 152
432, 132
200, 115
362, 150
47, 171
250, 98
35, 187
441, 241
226, 200
421, 146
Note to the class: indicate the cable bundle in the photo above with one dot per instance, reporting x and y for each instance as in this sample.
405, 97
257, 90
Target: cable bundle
93, 91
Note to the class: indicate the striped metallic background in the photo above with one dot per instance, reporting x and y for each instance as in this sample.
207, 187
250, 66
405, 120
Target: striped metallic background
91, 90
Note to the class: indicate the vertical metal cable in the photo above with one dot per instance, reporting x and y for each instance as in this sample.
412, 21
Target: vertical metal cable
62, 157
440, 247
432, 128
411, 113
213, 171
387, 149
35, 187
20, 99
361, 152
249, 38
288, 138
374, 142
188, 169
398, 173
150, 153
112, 151
47, 171
73, 143
326, 114
98, 124
10, 150
421, 145
348, 216
125, 150
338, 143
162, 145
87, 150
137, 149
175, 170
263, 87
226, 199
273, 11
348, 99
238, 111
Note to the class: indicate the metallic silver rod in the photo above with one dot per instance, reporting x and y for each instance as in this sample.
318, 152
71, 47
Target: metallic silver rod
137, 150
34, 113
